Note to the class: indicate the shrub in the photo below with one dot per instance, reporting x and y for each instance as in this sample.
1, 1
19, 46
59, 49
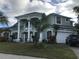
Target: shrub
51, 39
44, 41
3, 39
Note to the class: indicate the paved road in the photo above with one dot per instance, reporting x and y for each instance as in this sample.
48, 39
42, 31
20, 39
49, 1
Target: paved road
76, 51
8, 56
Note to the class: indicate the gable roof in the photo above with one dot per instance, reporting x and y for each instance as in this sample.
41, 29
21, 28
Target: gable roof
29, 14
39, 13
59, 15
44, 13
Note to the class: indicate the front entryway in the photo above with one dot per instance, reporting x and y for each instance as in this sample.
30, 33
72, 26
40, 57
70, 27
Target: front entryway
50, 37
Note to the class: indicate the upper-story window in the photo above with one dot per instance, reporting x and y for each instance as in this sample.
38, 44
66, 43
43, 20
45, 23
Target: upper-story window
58, 20
71, 22
66, 19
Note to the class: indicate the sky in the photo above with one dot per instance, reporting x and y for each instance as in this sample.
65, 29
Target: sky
12, 8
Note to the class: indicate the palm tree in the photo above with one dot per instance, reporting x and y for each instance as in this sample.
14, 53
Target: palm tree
76, 27
40, 25
55, 27
76, 10
3, 19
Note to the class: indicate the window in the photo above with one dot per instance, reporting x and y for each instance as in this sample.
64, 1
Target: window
66, 19
58, 20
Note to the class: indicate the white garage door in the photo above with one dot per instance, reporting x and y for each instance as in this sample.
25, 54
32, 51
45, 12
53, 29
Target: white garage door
61, 37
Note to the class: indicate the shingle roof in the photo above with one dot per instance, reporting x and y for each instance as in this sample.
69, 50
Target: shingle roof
59, 15
29, 13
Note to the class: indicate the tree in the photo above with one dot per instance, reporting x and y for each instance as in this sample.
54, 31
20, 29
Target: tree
76, 28
76, 9
3, 19
55, 27
40, 25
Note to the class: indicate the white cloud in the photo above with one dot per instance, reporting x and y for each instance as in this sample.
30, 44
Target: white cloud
40, 7
17, 7
66, 9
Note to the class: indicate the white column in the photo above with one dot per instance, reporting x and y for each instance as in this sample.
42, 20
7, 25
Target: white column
24, 31
9, 36
2, 34
78, 19
18, 39
28, 31
41, 37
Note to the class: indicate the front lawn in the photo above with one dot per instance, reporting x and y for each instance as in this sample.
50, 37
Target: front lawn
50, 51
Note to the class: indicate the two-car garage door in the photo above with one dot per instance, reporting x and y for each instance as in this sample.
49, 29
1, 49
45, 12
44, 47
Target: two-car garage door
61, 37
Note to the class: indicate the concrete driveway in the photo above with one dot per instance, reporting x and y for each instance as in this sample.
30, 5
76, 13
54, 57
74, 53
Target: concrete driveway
76, 51
9, 56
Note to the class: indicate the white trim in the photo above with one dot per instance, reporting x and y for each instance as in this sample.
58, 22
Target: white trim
65, 31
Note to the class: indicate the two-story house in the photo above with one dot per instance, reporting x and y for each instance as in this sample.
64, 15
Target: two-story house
65, 24
23, 29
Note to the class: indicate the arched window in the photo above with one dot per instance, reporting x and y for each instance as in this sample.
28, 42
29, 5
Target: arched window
58, 20
34, 20
25, 22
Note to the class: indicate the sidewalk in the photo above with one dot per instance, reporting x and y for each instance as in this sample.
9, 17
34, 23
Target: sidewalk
9, 56
76, 51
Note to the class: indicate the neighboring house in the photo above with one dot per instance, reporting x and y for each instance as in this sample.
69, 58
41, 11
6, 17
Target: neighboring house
4, 28
5, 32
23, 29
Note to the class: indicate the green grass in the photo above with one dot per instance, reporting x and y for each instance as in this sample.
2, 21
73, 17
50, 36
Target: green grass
50, 51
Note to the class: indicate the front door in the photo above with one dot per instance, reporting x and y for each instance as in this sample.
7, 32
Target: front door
25, 36
49, 36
